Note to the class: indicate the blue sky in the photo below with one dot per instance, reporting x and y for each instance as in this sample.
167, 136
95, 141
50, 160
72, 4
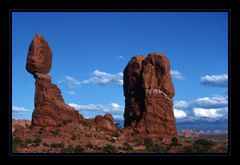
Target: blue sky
91, 49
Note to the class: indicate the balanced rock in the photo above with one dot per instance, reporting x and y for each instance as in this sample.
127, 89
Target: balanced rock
39, 58
49, 106
148, 92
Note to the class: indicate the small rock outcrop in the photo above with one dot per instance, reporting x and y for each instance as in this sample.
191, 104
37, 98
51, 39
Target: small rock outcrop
49, 106
148, 92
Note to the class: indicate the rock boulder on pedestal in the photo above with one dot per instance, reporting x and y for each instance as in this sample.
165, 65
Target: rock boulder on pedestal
49, 106
39, 58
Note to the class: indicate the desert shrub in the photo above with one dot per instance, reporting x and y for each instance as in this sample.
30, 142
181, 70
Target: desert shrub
202, 145
71, 149
151, 147
109, 149
84, 123
37, 140
188, 149
89, 145
14, 148
74, 137
126, 144
129, 149
174, 142
28, 141
66, 122
45, 144
30, 127
57, 145
41, 130
55, 132
148, 142
17, 141
97, 148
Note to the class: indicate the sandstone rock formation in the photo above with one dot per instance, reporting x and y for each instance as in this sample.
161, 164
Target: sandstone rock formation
39, 59
49, 106
103, 123
148, 92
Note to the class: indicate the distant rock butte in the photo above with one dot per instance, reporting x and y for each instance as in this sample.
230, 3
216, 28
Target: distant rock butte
148, 92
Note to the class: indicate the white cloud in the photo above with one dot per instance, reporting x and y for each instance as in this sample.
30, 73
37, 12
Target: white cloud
121, 57
181, 104
104, 78
215, 80
16, 109
71, 82
216, 101
109, 108
177, 75
208, 113
179, 114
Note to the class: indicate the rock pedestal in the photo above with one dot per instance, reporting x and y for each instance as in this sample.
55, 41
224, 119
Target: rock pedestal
49, 106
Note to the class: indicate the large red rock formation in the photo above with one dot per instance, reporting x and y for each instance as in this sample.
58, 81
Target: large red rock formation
148, 91
49, 106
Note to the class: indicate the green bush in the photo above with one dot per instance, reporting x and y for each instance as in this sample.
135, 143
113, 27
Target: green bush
74, 137
126, 144
17, 141
66, 122
37, 140
129, 149
89, 145
14, 148
202, 145
40, 130
71, 149
30, 127
55, 132
57, 145
84, 123
174, 142
188, 149
109, 149
151, 147
28, 141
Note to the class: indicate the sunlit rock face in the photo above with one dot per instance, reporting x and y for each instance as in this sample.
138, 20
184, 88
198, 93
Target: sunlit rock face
148, 92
